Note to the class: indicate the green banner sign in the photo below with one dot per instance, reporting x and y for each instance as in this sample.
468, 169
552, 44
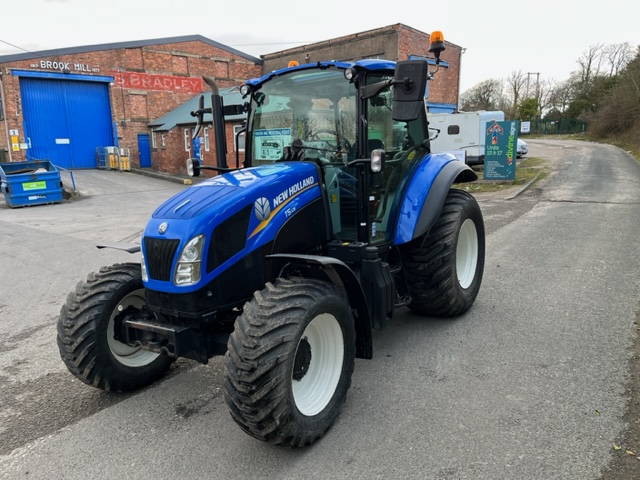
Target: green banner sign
29, 186
500, 150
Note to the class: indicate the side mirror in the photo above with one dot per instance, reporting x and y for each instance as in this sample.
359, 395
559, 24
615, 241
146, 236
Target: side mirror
193, 167
410, 83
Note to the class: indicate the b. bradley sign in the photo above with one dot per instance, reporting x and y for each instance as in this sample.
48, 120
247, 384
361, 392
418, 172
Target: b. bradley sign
146, 81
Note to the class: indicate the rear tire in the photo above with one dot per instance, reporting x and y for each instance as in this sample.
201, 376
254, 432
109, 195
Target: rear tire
444, 267
290, 360
86, 332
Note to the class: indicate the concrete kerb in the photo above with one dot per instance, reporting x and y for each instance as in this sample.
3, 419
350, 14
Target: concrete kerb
69, 193
163, 176
522, 189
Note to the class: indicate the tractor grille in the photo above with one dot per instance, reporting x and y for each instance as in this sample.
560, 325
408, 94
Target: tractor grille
228, 238
159, 255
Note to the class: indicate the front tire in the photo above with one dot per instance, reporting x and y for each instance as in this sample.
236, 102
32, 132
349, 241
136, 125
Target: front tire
290, 360
86, 329
444, 267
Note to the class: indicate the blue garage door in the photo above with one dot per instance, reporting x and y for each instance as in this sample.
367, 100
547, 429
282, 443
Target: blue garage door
65, 118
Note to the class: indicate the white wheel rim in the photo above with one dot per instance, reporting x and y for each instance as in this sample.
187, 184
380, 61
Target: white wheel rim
467, 253
123, 353
313, 392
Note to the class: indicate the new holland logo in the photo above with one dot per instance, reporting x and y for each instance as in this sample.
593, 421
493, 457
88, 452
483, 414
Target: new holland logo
262, 208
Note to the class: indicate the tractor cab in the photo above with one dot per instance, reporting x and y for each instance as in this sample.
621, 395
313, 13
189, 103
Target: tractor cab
328, 114
363, 124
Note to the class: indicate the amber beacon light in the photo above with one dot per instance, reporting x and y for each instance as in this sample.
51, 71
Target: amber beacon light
436, 43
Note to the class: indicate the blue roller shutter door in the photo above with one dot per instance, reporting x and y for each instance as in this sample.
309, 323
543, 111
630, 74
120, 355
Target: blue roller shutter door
65, 120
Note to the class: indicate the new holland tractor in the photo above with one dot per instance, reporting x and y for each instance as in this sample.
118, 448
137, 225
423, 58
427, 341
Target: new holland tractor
338, 216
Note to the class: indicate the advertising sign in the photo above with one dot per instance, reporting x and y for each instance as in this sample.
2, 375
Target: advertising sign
149, 81
500, 150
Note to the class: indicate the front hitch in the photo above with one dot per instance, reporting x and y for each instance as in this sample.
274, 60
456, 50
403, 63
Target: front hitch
141, 328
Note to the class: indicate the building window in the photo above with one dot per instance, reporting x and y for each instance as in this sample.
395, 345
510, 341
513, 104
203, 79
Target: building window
187, 140
163, 143
154, 140
238, 140
206, 139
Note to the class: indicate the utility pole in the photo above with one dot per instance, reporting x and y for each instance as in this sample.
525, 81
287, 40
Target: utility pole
537, 74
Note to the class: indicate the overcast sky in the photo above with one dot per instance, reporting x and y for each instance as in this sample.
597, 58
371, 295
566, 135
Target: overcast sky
543, 36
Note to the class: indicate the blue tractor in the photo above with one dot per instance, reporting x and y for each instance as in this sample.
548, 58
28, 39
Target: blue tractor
338, 216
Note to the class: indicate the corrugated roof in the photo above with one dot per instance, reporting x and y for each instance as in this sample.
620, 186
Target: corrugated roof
182, 114
133, 44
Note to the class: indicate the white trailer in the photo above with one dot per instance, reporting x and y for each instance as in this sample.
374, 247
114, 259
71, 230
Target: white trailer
462, 132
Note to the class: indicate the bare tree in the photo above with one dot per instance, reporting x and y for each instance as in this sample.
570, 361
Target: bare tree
515, 85
486, 95
618, 56
561, 95
546, 88
591, 63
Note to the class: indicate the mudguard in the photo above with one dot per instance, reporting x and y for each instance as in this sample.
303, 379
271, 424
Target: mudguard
426, 193
344, 278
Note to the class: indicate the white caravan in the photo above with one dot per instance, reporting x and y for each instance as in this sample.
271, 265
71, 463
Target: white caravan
462, 133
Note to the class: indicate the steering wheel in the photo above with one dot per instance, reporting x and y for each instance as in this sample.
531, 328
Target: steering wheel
342, 141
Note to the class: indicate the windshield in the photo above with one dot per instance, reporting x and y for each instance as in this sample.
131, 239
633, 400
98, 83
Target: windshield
312, 114
316, 107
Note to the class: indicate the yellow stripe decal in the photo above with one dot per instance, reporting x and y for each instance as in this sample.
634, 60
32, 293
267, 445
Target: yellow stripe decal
262, 225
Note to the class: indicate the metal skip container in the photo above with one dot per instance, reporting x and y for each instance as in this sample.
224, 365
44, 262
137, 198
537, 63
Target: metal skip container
29, 183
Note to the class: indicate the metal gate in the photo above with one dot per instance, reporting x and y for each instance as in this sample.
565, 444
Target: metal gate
66, 117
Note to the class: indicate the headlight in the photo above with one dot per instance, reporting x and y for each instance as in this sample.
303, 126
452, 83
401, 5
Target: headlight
188, 268
143, 266
349, 73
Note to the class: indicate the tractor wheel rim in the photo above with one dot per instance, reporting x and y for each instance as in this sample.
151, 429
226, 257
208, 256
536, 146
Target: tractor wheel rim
314, 386
123, 353
467, 253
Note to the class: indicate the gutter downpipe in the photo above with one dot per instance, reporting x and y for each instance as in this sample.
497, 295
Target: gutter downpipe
4, 115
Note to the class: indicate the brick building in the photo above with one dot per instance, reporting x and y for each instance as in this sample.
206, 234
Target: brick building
61, 104
394, 42
172, 139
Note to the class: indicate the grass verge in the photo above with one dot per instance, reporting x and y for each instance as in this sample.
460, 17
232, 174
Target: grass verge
526, 170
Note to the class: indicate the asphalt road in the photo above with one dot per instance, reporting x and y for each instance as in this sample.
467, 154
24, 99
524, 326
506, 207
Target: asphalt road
531, 383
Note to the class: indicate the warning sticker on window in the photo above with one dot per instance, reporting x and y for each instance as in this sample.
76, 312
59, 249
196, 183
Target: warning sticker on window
269, 143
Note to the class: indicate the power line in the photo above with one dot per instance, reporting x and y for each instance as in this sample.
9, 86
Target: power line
15, 46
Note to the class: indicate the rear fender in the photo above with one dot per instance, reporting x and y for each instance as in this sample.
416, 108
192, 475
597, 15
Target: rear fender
339, 273
426, 193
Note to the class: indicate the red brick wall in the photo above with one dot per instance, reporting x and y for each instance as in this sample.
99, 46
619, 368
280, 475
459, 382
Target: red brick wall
159, 78
172, 158
394, 42
444, 87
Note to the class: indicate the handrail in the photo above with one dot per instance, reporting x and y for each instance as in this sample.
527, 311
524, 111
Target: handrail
73, 183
